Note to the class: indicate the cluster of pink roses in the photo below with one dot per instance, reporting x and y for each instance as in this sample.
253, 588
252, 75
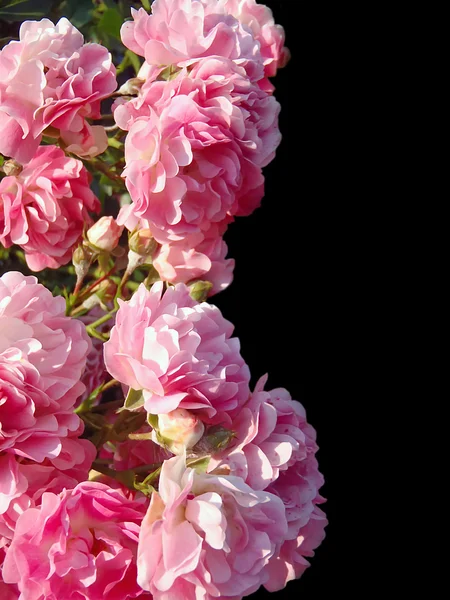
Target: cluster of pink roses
202, 126
187, 485
50, 84
249, 517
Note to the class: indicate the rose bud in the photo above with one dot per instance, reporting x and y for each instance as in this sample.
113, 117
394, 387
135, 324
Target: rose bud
142, 242
177, 430
104, 234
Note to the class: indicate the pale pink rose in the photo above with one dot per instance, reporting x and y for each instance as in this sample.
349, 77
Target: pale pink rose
258, 18
32, 422
190, 259
33, 322
86, 143
207, 536
51, 78
44, 208
104, 234
290, 563
81, 543
180, 30
274, 449
42, 357
195, 148
35, 479
179, 353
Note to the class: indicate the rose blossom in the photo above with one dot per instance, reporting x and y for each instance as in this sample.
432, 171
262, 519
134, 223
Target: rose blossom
195, 148
180, 30
206, 536
191, 259
45, 207
104, 234
178, 352
82, 542
51, 78
274, 449
42, 357
75, 462
259, 19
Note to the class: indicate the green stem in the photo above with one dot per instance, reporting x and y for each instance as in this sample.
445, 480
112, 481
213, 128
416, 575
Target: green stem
95, 334
103, 168
102, 320
123, 281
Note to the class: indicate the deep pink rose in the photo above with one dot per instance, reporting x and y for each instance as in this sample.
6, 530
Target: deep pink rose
207, 536
51, 78
178, 352
81, 543
44, 208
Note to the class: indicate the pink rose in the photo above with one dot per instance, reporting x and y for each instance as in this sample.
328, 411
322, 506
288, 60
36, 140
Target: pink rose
51, 78
180, 30
75, 462
42, 357
190, 259
207, 536
104, 234
274, 449
195, 148
44, 208
259, 20
82, 542
179, 353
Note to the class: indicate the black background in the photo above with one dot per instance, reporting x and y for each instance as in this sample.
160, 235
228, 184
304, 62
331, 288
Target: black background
293, 290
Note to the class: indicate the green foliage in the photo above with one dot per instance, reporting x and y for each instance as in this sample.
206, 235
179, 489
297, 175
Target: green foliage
20, 10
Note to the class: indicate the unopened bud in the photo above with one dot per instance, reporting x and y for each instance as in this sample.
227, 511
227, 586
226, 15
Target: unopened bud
131, 87
142, 246
199, 290
177, 430
81, 259
104, 235
12, 168
142, 242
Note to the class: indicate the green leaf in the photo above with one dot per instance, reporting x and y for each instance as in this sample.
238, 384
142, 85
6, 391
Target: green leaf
110, 23
82, 12
17, 10
13, 3
134, 60
134, 400
152, 420
199, 464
